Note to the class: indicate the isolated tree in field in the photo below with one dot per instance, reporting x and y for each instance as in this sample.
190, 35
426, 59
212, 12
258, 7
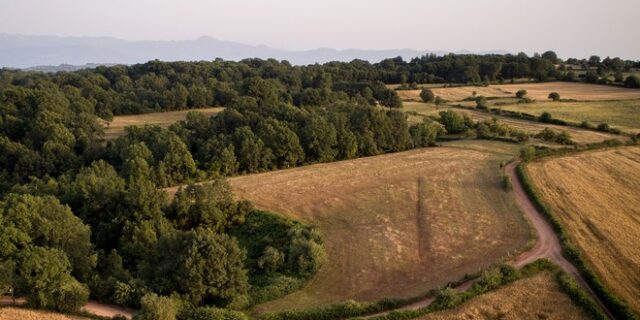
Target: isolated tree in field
453, 122
554, 96
521, 93
427, 95
438, 101
632, 81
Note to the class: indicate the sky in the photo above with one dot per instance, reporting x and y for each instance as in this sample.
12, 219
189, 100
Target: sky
572, 28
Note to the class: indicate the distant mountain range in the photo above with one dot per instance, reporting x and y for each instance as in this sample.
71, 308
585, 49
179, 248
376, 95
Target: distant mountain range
53, 53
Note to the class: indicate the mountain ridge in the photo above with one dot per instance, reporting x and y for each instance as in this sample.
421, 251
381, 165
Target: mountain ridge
37, 52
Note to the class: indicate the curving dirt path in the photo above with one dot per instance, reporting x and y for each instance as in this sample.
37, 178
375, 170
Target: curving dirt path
547, 246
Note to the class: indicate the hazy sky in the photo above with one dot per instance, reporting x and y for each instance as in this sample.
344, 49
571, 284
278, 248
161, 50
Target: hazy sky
570, 27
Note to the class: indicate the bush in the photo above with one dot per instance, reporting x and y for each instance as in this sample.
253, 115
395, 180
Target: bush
545, 117
554, 96
632, 81
154, 307
427, 95
72, 296
209, 313
586, 125
527, 153
521, 93
506, 183
604, 127
481, 102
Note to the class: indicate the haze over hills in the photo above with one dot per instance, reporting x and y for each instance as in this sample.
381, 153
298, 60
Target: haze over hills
53, 53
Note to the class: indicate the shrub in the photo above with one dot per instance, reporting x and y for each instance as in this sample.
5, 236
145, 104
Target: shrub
427, 95
545, 117
527, 153
209, 313
481, 102
506, 183
604, 127
154, 307
586, 125
521, 93
438, 101
71, 296
554, 96
632, 81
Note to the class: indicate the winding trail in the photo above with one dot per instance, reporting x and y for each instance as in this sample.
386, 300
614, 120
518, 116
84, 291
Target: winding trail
547, 246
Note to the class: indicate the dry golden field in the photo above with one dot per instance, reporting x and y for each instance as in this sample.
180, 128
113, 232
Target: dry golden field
537, 91
9, 313
624, 115
596, 195
396, 225
578, 135
538, 297
115, 128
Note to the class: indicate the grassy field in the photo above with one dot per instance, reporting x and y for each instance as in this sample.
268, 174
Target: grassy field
115, 128
620, 114
538, 91
596, 195
531, 127
538, 297
9, 313
396, 225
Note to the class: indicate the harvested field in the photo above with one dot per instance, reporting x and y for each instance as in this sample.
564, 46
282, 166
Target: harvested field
395, 225
538, 297
596, 196
538, 91
624, 115
115, 128
578, 135
10, 313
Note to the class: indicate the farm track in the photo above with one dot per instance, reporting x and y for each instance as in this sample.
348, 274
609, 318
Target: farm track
547, 246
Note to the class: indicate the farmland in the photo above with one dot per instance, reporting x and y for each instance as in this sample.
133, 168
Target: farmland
395, 225
596, 196
537, 91
624, 115
578, 135
9, 313
538, 297
115, 128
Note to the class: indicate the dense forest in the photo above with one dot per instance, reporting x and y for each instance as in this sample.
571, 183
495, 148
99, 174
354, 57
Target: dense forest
83, 217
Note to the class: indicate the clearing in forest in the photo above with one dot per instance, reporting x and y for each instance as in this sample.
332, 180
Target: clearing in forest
396, 225
538, 297
115, 128
596, 196
537, 91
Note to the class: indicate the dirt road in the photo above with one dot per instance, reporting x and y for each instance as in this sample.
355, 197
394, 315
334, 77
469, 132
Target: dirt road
547, 246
